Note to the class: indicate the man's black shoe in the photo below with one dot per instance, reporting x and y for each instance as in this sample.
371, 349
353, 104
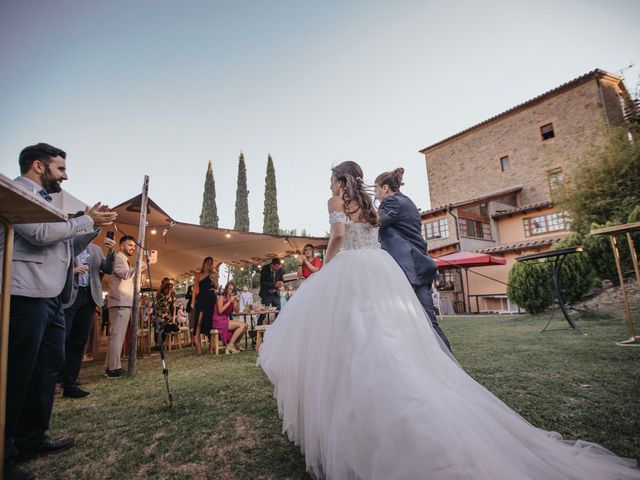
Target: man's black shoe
47, 446
11, 472
74, 392
115, 373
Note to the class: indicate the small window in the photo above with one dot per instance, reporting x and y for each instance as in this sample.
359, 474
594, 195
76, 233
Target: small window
436, 230
505, 163
547, 131
555, 177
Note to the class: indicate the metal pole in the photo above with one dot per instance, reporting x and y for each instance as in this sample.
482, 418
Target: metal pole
632, 329
4, 325
135, 313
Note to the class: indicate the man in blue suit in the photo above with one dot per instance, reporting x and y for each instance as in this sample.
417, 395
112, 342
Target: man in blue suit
400, 235
41, 282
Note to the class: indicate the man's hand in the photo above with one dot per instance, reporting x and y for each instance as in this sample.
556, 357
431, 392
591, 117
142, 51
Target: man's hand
279, 283
110, 243
101, 215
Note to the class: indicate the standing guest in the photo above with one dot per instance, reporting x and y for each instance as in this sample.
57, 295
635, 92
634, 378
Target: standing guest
271, 277
165, 302
246, 298
207, 282
283, 296
189, 309
79, 312
230, 330
308, 262
120, 304
41, 282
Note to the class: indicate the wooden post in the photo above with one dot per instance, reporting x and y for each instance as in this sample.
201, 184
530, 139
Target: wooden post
135, 312
5, 297
630, 322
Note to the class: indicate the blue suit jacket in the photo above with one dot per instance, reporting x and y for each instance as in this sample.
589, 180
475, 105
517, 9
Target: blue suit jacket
400, 235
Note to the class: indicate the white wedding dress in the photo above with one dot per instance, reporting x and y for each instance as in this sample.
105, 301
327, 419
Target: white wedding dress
367, 391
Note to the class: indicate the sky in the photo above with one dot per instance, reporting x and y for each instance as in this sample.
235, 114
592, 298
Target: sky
159, 88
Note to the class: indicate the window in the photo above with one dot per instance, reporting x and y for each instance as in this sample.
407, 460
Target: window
552, 222
555, 177
547, 131
475, 229
505, 163
437, 229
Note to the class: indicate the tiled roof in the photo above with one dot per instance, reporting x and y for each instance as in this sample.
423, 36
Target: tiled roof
487, 196
444, 245
524, 208
523, 245
597, 73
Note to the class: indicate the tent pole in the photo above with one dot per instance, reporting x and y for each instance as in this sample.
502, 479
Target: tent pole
135, 311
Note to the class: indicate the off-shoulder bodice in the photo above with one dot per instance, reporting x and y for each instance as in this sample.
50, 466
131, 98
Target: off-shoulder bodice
358, 235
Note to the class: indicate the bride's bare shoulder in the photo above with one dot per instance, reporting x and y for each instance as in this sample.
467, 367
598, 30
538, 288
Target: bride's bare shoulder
335, 204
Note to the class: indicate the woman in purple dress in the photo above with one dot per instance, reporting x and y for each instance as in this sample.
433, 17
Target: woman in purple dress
230, 330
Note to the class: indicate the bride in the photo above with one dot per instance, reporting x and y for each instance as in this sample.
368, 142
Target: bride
368, 391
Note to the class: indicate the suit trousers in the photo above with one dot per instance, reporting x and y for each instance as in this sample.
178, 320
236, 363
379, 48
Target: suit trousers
36, 354
269, 301
425, 296
78, 322
118, 322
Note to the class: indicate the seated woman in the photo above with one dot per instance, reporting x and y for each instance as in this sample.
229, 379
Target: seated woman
230, 330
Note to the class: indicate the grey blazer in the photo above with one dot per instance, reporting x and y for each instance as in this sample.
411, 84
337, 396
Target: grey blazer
400, 235
98, 264
43, 253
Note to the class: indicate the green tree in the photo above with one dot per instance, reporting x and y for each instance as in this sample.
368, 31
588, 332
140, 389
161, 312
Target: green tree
530, 286
242, 197
606, 185
209, 213
246, 276
271, 223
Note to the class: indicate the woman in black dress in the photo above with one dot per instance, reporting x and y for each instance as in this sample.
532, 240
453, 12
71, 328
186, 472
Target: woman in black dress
205, 300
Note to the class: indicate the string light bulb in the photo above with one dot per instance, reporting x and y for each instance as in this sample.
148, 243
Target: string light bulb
153, 230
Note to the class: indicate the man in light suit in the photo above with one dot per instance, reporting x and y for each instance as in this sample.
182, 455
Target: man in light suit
89, 267
119, 303
400, 235
40, 283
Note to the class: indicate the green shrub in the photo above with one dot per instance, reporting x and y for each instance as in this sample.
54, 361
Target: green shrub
577, 276
530, 286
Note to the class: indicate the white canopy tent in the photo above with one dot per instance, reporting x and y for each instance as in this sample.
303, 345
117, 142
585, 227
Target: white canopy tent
182, 246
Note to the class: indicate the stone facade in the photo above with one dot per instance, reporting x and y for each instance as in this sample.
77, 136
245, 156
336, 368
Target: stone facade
479, 205
468, 164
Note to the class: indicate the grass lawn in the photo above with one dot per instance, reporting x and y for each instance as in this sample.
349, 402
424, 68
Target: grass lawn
225, 424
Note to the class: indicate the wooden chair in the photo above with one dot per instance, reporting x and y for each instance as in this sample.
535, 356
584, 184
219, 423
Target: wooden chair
215, 341
260, 329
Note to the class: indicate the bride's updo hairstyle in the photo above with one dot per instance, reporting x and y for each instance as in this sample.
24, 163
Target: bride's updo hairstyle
349, 174
392, 179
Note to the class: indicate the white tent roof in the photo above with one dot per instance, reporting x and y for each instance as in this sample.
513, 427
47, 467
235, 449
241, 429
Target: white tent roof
182, 246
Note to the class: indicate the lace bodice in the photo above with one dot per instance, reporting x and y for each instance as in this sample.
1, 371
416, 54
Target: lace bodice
358, 236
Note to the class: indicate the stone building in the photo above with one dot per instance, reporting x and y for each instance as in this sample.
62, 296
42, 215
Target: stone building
491, 186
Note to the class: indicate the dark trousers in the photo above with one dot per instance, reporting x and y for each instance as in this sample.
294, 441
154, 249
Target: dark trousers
36, 354
78, 322
425, 296
270, 301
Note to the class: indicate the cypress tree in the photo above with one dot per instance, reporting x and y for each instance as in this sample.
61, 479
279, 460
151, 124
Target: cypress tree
271, 223
242, 197
209, 214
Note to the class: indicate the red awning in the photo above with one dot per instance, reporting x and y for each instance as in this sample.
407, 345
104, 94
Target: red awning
468, 260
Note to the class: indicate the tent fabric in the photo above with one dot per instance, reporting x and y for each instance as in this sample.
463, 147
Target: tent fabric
182, 246
468, 260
